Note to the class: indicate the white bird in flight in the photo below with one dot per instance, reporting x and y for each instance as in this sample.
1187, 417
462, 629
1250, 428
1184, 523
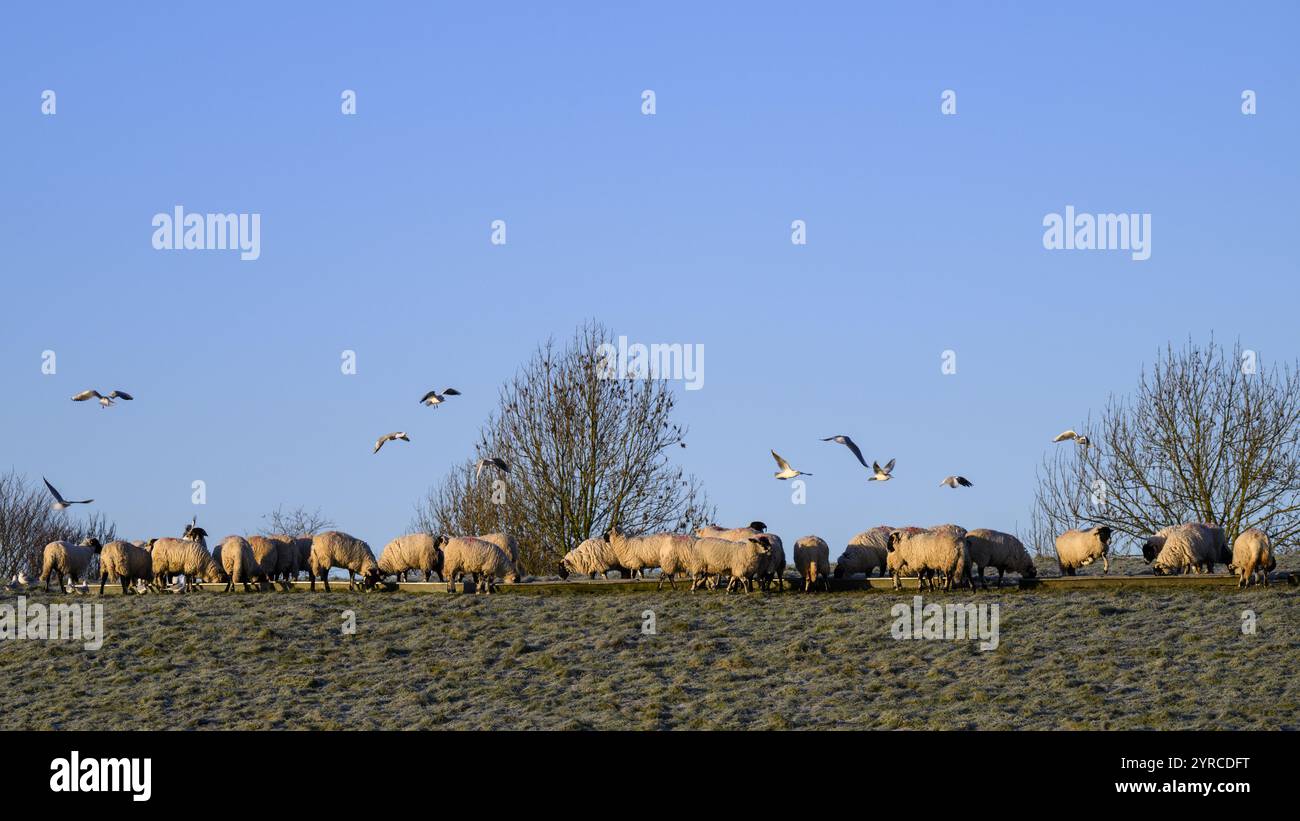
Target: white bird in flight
954, 481
496, 462
104, 401
388, 437
786, 472
1077, 437
435, 399
59, 502
882, 474
848, 443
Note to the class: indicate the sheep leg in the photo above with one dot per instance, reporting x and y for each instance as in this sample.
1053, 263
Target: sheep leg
1105, 565
125, 586
103, 577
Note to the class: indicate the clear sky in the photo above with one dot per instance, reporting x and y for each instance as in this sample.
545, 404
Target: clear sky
924, 235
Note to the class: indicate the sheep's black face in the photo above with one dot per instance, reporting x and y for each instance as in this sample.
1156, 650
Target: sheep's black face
839, 572
562, 570
1149, 551
1103, 533
1031, 572
759, 526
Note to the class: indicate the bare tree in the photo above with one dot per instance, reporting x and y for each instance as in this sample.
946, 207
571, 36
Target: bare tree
296, 522
28, 523
1207, 437
585, 452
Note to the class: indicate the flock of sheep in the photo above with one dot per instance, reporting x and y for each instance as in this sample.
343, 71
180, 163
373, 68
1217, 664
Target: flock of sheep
946, 556
266, 561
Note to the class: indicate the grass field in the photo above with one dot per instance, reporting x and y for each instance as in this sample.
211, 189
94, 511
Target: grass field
1081, 659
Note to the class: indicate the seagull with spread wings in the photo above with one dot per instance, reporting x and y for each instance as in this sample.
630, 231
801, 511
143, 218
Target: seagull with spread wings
104, 401
882, 474
955, 481
59, 502
786, 472
435, 399
388, 437
848, 443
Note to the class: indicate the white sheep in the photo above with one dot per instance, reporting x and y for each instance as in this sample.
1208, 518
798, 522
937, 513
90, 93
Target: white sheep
742, 561
812, 557
1193, 546
124, 562
484, 561
940, 551
775, 569
637, 553
510, 546
590, 557
1077, 548
414, 551
70, 562
188, 556
266, 555
992, 548
867, 551
677, 554
238, 563
336, 549
1252, 553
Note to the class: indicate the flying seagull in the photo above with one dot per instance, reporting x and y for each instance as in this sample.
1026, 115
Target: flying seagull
59, 502
848, 443
496, 462
104, 401
435, 399
388, 437
786, 472
1077, 437
882, 474
954, 481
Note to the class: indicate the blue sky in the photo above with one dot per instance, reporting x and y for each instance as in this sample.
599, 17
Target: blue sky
924, 235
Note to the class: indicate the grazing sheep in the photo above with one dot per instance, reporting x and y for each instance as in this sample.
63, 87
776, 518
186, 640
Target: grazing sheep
676, 555
414, 551
70, 562
742, 561
124, 562
483, 560
637, 553
865, 552
335, 549
941, 551
188, 557
589, 558
1252, 553
812, 556
1077, 548
992, 548
775, 570
266, 556
287, 559
1193, 546
238, 563
510, 546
